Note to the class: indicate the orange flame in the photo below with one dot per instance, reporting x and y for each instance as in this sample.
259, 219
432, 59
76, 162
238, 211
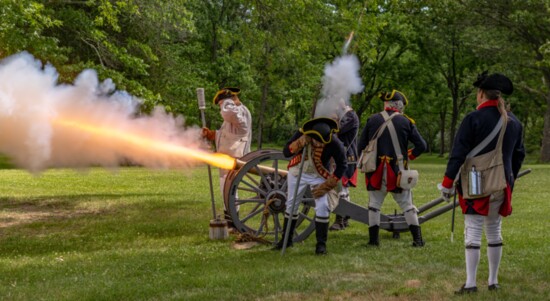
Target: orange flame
214, 159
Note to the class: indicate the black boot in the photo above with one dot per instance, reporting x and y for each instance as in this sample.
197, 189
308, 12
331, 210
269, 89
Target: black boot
338, 224
373, 236
345, 221
417, 236
289, 242
321, 233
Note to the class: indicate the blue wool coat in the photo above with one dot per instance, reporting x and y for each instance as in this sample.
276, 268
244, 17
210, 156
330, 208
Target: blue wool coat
406, 132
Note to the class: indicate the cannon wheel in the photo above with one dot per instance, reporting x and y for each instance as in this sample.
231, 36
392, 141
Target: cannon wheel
256, 198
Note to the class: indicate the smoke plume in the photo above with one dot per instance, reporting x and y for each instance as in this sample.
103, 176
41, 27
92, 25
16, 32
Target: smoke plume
341, 79
34, 107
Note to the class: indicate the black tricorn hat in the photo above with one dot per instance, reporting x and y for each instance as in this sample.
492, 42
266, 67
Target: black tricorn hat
225, 93
495, 81
394, 95
320, 129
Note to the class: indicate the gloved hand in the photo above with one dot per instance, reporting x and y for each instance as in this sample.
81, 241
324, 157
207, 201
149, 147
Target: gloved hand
208, 134
342, 195
298, 144
446, 193
325, 187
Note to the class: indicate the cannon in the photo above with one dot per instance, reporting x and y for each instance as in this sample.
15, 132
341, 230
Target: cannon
256, 192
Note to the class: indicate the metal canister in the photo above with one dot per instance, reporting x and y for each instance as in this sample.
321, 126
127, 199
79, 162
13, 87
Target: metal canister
474, 184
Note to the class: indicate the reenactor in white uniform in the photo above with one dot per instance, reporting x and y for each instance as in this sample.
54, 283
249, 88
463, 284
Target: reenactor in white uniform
235, 134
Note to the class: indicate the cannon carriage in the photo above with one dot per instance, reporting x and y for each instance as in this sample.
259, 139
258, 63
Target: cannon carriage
256, 192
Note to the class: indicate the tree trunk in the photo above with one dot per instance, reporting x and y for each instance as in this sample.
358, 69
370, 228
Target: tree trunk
364, 104
442, 115
545, 148
263, 105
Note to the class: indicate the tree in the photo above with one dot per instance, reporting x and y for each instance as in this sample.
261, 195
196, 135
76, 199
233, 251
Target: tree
22, 27
445, 45
527, 24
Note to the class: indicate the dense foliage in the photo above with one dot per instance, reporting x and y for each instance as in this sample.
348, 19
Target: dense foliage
275, 51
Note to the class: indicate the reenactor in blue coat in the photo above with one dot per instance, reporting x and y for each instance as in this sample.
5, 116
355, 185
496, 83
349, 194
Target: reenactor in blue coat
384, 178
322, 146
349, 127
485, 211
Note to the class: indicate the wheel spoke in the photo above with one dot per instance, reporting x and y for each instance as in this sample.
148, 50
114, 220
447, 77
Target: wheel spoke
248, 176
263, 178
276, 175
251, 200
252, 213
306, 217
254, 188
248, 189
284, 186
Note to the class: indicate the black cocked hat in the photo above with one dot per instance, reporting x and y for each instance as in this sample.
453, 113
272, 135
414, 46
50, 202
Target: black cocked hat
495, 81
320, 129
394, 95
225, 93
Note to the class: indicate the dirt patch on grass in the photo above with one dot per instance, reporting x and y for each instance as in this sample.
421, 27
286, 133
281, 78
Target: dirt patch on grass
29, 212
414, 283
350, 296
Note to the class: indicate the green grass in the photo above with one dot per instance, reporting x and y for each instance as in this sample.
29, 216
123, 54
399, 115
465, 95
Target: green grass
138, 234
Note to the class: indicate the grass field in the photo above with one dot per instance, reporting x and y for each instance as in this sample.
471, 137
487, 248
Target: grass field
138, 234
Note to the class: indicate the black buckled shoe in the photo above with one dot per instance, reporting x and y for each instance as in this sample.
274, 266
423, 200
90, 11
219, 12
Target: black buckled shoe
494, 287
466, 290
321, 249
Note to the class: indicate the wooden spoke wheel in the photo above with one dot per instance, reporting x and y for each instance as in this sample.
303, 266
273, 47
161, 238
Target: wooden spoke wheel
255, 194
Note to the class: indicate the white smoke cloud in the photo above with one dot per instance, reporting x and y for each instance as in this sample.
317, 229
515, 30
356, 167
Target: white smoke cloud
341, 79
32, 101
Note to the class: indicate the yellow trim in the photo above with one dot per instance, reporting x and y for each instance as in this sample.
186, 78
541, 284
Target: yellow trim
222, 91
386, 159
412, 120
332, 131
392, 94
319, 135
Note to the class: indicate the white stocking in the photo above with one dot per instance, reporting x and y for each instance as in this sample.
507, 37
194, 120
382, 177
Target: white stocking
472, 261
411, 217
493, 256
374, 217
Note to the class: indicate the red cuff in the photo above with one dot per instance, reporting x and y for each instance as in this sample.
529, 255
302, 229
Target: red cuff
447, 182
410, 155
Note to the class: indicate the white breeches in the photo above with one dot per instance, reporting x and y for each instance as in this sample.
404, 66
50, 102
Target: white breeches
404, 199
311, 180
473, 224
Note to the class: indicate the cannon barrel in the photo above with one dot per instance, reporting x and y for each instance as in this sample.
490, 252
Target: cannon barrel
260, 169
